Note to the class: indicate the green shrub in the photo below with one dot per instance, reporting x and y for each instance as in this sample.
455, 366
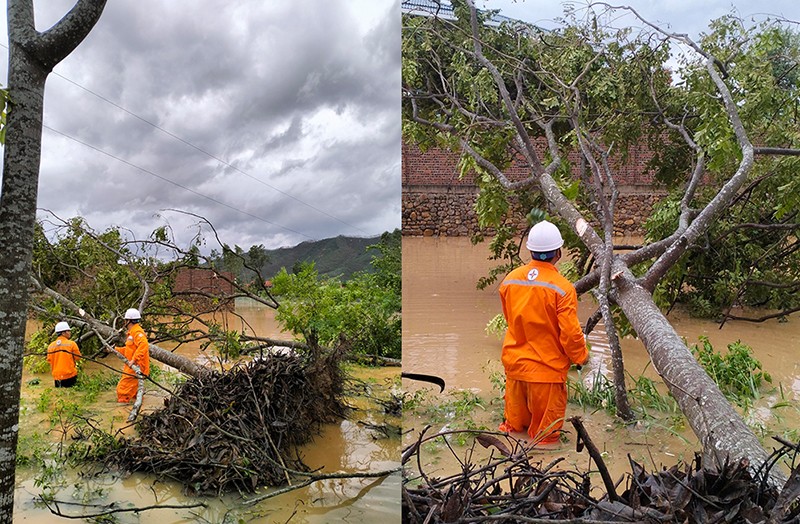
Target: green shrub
738, 374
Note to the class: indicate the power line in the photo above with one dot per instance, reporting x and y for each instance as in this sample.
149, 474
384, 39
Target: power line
201, 150
210, 155
165, 179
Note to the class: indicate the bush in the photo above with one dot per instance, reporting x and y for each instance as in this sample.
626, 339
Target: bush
364, 310
738, 374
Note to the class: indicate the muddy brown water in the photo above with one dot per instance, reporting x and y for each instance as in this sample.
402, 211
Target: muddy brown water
349, 446
444, 321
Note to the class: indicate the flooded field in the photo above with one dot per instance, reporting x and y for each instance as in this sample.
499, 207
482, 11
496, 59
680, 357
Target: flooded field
444, 334
351, 446
444, 321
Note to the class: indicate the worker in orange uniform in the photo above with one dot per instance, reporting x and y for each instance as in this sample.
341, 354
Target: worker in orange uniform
62, 355
137, 351
543, 339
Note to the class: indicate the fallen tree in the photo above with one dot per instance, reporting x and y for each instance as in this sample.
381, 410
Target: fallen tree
223, 430
517, 93
77, 277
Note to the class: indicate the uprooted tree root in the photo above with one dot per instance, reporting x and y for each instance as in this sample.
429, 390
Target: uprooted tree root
238, 430
511, 488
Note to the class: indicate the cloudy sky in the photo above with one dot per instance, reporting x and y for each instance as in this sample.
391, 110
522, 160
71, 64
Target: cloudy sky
683, 16
277, 121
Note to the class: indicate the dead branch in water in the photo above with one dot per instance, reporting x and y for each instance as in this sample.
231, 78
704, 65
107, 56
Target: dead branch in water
322, 476
110, 510
511, 487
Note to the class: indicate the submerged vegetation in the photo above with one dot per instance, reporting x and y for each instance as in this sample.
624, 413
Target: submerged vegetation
74, 445
511, 486
237, 430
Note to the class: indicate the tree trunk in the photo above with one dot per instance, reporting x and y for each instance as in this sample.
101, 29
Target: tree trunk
179, 362
32, 56
711, 416
17, 217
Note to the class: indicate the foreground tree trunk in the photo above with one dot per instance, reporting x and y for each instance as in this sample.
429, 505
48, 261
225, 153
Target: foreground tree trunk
32, 56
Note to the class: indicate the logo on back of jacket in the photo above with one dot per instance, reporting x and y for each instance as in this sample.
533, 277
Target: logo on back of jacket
533, 273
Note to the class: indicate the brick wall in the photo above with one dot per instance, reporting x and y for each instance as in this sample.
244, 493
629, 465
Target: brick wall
439, 167
436, 202
193, 283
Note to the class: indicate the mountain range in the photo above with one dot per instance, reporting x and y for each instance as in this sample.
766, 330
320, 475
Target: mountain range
339, 256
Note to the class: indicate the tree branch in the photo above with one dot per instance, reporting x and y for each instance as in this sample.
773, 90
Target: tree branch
315, 478
55, 510
60, 40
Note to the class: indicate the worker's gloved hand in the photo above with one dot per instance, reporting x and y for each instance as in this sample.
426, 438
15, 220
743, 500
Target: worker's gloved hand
121, 338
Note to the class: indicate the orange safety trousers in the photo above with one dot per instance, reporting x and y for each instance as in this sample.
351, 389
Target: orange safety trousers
126, 388
539, 407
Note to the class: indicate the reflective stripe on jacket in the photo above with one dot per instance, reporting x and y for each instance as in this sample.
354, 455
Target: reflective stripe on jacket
544, 335
62, 354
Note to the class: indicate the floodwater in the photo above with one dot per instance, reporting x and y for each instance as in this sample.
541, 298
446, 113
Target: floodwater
444, 321
350, 446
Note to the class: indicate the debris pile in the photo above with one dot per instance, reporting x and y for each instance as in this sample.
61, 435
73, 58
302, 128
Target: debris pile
237, 430
510, 487
506, 485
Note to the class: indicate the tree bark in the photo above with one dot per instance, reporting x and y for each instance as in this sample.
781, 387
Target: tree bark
32, 56
711, 416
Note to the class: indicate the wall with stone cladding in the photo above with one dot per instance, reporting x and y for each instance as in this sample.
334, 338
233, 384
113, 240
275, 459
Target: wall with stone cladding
439, 211
443, 211
436, 202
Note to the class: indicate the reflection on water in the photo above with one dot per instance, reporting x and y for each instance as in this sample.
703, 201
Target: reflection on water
350, 446
444, 320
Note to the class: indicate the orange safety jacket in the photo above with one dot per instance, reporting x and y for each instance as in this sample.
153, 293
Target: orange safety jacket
61, 355
544, 335
136, 350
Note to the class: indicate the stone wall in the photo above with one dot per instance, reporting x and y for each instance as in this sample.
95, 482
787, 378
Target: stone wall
436, 202
439, 211
450, 211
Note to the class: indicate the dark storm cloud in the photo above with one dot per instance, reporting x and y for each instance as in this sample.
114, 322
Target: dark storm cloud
260, 97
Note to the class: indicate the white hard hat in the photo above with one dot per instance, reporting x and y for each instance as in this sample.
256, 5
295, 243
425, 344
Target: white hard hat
133, 314
62, 326
543, 237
